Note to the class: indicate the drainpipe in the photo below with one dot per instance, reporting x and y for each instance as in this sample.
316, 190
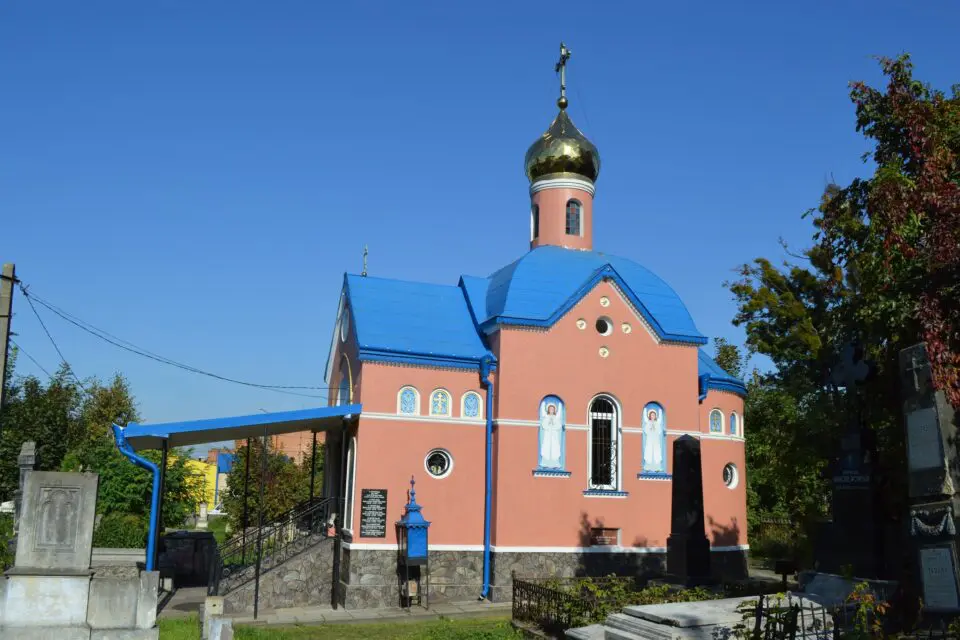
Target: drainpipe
485, 380
143, 463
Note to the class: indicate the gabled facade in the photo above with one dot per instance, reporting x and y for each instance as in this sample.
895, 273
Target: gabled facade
535, 407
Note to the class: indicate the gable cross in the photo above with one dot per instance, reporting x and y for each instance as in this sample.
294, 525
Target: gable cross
365, 254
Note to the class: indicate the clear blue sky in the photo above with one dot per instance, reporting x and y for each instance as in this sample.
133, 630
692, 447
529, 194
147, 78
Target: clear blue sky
195, 177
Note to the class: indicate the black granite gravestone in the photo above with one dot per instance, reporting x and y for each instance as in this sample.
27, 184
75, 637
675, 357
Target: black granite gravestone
688, 550
933, 478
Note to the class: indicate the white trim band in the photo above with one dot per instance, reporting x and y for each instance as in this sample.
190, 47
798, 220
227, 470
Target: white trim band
563, 183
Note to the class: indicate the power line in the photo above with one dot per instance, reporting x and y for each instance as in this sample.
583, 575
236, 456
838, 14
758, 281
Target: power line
132, 348
32, 359
52, 341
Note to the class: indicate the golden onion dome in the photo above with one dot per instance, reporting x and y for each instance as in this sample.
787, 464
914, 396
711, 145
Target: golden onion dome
563, 149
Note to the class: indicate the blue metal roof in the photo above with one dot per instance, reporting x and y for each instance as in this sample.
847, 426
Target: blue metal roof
184, 434
541, 286
713, 377
415, 322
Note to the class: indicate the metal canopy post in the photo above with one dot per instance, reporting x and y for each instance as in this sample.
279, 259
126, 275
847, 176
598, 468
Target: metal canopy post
313, 464
163, 479
243, 522
256, 573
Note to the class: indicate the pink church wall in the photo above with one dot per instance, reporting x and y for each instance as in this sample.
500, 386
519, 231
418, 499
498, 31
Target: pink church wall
553, 218
725, 509
390, 449
565, 361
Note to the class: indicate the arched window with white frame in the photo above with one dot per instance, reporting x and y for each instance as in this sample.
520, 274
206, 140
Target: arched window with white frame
470, 405
574, 210
440, 403
734, 423
408, 401
716, 421
604, 444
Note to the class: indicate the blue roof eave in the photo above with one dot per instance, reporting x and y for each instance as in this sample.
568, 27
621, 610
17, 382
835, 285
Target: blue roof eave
369, 354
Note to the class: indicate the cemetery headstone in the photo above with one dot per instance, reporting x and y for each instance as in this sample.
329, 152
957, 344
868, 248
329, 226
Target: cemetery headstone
26, 461
931, 432
688, 549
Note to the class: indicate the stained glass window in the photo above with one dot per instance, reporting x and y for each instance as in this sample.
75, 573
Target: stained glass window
408, 401
716, 421
573, 218
440, 403
471, 405
733, 424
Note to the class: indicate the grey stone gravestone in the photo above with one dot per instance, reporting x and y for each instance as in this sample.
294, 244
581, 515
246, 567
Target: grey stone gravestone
688, 549
931, 432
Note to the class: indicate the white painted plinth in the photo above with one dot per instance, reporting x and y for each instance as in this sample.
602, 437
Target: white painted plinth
48, 601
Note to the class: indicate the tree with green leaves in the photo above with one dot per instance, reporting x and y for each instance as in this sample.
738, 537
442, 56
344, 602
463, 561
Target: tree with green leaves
883, 272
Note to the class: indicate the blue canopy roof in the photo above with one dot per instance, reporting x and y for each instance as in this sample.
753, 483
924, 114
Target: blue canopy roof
546, 282
191, 432
713, 377
397, 320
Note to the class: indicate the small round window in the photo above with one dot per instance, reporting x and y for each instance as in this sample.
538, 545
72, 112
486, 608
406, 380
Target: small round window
731, 477
439, 464
604, 326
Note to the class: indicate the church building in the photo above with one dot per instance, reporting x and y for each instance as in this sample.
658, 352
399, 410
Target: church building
535, 407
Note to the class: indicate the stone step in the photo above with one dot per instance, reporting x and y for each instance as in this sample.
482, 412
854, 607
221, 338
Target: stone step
640, 628
592, 632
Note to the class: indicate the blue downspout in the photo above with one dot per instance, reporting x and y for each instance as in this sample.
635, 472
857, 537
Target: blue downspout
143, 463
487, 509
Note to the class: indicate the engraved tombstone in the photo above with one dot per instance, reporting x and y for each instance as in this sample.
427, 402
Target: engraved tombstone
56, 528
931, 429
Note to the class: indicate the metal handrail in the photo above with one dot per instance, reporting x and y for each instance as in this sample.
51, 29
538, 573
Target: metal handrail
289, 533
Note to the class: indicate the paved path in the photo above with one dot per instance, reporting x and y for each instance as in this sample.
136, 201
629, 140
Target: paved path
186, 602
308, 615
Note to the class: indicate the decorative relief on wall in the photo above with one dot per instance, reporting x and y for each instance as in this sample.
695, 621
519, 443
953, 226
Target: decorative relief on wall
716, 421
581, 324
604, 352
56, 524
654, 430
551, 441
471, 405
604, 301
941, 519
440, 403
626, 327
409, 401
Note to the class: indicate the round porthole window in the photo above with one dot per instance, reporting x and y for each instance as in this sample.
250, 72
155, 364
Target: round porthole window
731, 477
438, 463
604, 326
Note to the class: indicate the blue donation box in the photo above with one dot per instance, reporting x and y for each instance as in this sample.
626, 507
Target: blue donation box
413, 553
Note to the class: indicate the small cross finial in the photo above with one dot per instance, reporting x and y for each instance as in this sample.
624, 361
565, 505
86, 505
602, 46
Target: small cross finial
561, 68
915, 366
365, 254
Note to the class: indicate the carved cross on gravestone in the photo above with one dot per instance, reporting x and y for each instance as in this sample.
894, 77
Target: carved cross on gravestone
851, 369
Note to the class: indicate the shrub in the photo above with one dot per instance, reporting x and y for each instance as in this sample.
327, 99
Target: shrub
121, 531
6, 533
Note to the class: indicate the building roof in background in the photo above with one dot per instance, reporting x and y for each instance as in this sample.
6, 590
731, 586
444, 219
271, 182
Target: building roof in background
715, 377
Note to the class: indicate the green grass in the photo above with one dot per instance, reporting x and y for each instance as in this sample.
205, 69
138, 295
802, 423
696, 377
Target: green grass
468, 629
217, 526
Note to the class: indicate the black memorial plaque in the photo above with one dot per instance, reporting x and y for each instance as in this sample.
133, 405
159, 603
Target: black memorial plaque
373, 513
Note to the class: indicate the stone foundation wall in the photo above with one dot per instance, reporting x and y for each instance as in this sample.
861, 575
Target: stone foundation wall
369, 578
301, 579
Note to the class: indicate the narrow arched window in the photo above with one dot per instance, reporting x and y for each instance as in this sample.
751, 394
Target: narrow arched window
716, 421
573, 218
471, 405
408, 402
535, 222
343, 392
734, 424
439, 403
604, 436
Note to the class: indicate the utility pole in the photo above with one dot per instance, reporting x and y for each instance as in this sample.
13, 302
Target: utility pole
7, 278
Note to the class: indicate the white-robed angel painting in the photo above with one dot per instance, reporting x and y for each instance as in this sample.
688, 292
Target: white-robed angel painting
551, 433
654, 439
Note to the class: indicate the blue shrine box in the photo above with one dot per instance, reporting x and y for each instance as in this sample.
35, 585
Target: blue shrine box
412, 533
